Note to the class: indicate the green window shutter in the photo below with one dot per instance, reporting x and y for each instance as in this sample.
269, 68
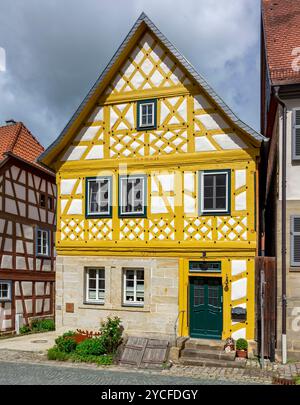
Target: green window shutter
296, 134
295, 240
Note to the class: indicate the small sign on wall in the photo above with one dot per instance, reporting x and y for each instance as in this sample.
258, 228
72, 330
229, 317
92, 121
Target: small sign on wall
70, 307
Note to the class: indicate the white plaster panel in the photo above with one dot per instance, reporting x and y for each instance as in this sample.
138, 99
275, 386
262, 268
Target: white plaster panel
240, 333
8, 188
212, 121
202, 144
229, 141
47, 305
240, 178
27, 287
39, 288
19, 246
75, 207
63, 204
96, 152
6, 262
166, 181
15, 172
38, 305
87, 134
239, 289
28, 231
182, 110
28, 305
241, 201
20, 191
66, 186
21, 263
74, 153
8, 245
79, 188
10, 206
189, 181
189, 204
157, 205
238, 266
130, 116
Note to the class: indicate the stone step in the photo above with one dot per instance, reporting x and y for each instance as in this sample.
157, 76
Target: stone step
204, 344
208, 354
212, 363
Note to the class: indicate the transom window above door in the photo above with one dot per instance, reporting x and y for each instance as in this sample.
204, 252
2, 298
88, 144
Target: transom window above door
215, 192
99, 197
146, 114
132, 196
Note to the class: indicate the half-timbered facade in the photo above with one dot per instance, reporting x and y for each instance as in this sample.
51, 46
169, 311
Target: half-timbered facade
27, 224
157, 190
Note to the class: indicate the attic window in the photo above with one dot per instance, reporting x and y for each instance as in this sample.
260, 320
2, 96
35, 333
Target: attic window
146, 114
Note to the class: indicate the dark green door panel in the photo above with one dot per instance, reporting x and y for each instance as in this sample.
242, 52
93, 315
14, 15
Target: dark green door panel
206, 309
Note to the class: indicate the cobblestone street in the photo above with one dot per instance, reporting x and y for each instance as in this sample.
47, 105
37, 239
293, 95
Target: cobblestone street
44, 374
19, 367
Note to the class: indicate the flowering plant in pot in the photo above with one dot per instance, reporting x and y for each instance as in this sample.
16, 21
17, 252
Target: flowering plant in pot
241, 348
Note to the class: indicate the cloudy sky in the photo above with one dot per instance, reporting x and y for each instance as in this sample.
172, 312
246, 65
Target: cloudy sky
56, 49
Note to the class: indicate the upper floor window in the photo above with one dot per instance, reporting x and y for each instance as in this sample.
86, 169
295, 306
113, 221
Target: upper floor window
5, 290
42, 242
99, 196
132, 195
50, 203
295, 240
296, 134
146, 114
43, 200
215, 192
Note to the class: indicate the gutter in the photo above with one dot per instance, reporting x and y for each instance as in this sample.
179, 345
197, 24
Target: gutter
283, 226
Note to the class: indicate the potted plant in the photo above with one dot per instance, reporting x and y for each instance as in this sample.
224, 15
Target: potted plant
241, 348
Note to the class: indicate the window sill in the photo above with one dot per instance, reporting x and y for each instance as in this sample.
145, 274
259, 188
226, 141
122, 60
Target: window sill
108, 307
215, 213
295, 269
127, 304
94, 303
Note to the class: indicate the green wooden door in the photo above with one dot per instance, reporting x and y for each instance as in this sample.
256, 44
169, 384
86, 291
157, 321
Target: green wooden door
206, 309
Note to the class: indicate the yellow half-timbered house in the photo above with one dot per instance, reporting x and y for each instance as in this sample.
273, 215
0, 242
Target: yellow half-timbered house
157, 200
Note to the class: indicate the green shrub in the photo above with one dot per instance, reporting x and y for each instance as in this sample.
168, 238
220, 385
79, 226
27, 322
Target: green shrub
241, 344
111, 334
66, 343
42, 325
93, 347
55, 354
24, 329
105, 360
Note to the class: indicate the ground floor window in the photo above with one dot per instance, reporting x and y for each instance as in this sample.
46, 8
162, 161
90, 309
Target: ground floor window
133, 286
5, 290
95, 285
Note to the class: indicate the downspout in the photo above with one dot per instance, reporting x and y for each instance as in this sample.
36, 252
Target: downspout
283, 226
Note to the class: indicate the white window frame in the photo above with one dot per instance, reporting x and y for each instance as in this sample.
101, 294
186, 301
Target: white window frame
99, 213
293, 233
46, 244
8, 298
294, 128
134, 302
146, 103
207, 173
121, 205
97, 300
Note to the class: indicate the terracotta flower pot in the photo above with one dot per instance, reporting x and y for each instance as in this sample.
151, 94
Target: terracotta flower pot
242, 354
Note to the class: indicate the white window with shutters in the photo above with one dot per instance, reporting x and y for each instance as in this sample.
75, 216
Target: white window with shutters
296, 134
295, 240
